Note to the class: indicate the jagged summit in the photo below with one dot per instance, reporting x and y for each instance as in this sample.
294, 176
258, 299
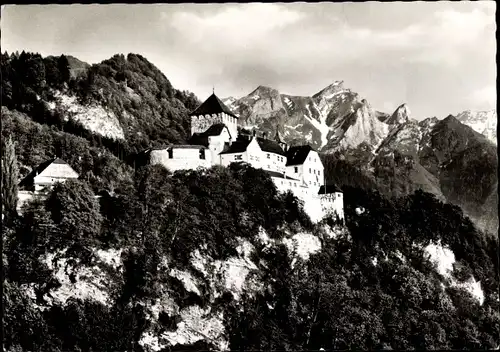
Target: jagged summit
264, 89
450, 119
400, 115
331, 89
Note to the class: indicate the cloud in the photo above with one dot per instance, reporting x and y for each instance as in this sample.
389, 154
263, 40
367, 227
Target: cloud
236, 26
438, 39
389, 106
486, 96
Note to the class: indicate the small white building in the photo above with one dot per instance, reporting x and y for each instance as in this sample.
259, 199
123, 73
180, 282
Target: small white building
46, 174
42, 178
180, 157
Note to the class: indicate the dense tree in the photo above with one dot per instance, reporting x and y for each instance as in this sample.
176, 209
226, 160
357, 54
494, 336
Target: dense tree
10, 178
75, 211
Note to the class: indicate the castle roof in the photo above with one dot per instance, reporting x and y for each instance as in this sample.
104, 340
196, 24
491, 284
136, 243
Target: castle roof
270, 146
213, 105
266, 145
182, 146
202, 138
238, 146
280, 175
297, 155
329, 189
29, 179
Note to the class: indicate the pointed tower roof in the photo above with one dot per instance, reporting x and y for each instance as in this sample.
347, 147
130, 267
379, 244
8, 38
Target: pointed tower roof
213, 105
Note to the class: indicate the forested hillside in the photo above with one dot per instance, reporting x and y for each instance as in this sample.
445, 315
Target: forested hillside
206, 259
124, 104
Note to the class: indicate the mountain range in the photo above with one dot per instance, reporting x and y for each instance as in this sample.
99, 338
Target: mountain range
454, 158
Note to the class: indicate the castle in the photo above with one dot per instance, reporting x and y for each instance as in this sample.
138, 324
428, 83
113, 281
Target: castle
215, 141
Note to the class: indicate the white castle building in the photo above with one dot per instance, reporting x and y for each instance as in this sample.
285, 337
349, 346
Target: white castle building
215, 141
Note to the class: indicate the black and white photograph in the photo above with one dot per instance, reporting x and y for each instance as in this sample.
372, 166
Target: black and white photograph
304, 176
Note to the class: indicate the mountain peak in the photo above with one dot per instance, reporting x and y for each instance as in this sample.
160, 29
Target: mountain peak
450, 118
400, 115
263, 88
330, 90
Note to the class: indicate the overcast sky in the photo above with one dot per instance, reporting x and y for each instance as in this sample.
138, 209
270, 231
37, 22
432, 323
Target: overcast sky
438, 57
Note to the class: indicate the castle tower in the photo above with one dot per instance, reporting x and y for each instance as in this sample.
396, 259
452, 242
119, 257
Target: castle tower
213, 111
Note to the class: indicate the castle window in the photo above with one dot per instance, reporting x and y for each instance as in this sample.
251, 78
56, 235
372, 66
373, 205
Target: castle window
170, 153
296, 169
268, 156
202, 153
309, 170
238, 157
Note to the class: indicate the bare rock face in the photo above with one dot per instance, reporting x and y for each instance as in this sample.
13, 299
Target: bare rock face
260, 105
359, 127
301, 119
484, 122
400, 116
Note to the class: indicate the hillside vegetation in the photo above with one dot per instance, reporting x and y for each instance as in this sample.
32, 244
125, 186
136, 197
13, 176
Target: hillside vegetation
371, 285
128, 92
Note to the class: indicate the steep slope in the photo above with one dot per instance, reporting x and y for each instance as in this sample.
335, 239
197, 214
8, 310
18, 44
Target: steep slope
360, 127
445, 158
484, 122
466, 163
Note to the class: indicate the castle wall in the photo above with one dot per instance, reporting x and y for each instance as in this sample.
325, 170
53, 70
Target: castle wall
252, 155
231, 123
332, 203
182, 158
273, 162
216, 145
313, 171
283, 185
201, 123
290, 171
